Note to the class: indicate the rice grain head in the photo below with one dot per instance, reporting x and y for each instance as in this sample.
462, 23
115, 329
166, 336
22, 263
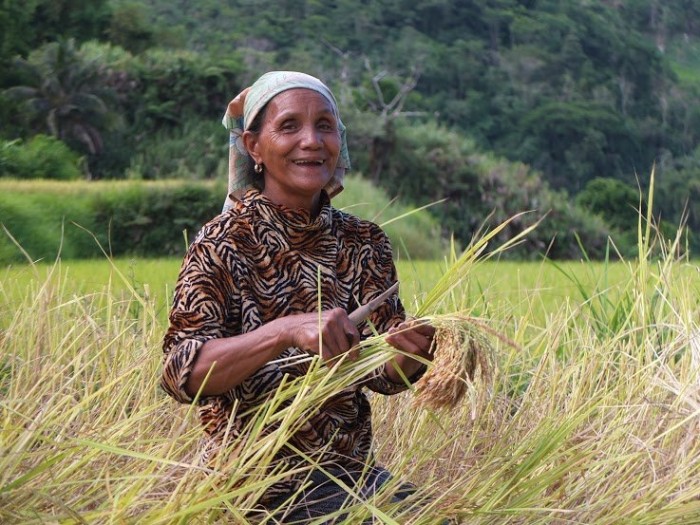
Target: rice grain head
464, 362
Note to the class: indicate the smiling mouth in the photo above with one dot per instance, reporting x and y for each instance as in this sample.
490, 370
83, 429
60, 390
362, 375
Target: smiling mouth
309, 162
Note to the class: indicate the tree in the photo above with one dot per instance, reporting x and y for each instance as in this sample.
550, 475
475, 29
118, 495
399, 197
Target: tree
130, 28
81, 20
575, 142
16, 32
616, 202
63, 95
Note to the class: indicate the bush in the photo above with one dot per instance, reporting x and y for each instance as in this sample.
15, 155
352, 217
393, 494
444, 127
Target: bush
158, 218
41, 157
428, 163
196, 150
155, 220
128, 218
173, 86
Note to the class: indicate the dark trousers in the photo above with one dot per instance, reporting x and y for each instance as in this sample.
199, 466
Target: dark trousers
324, 496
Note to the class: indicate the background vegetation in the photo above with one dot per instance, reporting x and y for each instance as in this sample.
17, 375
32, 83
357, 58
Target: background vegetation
498, 106
48, 219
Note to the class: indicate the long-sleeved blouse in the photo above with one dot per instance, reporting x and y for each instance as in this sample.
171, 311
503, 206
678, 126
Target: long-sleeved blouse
258, 262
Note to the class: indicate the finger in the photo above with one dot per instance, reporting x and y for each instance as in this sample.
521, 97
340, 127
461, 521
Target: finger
402, 342
344, 335
334, 341
334, 338
412, 343
326, 354
331, 355
422, 335
427, 348
351, 332
353, 337
424, 328
422, 325
422, 342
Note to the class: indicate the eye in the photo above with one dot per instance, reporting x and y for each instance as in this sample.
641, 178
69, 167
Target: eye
288, 125
327, 125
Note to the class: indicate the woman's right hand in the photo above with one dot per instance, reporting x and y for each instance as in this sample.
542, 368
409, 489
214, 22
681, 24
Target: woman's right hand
338, 335
236, 358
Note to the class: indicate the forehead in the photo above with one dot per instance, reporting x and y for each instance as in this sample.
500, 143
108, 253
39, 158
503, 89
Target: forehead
298, 100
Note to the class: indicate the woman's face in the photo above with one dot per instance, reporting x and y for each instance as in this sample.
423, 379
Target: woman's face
298, 145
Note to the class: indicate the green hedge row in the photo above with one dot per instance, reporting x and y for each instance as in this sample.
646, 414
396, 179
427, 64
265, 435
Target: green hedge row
158, 218
126, 218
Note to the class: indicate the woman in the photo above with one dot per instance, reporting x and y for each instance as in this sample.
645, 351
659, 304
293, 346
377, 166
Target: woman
248, 293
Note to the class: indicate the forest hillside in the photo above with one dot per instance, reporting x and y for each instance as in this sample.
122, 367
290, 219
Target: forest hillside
501, 106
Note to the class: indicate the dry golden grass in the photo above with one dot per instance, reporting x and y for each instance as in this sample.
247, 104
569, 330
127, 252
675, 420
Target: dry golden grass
589, 413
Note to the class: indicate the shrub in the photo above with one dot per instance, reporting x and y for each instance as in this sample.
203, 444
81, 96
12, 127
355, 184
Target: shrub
41, 157
196, 150
429, 162
157, 218
127, 218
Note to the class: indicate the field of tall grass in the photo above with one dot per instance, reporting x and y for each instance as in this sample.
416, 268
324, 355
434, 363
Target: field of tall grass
589, 414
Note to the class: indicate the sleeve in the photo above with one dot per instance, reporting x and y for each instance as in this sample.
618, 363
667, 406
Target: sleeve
199, 313
379, 274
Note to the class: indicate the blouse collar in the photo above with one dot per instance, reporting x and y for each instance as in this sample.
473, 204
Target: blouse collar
297, 220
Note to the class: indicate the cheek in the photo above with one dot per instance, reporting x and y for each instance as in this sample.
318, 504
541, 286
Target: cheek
276, 147
334, 146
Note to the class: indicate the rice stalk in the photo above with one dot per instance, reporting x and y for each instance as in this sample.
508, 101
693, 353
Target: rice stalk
565, 422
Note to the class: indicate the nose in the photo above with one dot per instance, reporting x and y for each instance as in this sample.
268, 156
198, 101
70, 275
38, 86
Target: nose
310, 138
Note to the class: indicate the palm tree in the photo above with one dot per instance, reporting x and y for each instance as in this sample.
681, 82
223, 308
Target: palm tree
63, 95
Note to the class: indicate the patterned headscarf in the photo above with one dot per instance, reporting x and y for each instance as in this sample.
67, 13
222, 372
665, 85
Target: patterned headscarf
261, 92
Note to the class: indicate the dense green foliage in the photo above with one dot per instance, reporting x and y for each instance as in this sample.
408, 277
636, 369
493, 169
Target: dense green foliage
578, 90
567, 92
62, 96
134, 218
158, 218
41, 157
484, 191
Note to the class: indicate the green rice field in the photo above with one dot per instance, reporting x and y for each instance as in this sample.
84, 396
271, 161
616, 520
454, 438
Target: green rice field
533, 286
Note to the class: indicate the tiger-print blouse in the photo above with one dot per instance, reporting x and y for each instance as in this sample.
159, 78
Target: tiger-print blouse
257, 262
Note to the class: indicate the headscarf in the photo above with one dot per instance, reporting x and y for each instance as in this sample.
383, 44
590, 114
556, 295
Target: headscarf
261, 92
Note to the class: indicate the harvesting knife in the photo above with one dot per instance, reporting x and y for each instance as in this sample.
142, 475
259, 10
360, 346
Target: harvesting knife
363, 312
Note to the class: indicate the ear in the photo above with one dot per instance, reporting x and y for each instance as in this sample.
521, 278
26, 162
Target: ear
252, 144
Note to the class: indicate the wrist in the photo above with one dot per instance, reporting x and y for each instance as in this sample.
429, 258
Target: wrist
282, 334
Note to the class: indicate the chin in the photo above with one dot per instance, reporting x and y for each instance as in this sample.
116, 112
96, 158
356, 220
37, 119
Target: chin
312, 185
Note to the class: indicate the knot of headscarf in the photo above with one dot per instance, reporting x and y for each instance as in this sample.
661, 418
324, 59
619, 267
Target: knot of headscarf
261, 92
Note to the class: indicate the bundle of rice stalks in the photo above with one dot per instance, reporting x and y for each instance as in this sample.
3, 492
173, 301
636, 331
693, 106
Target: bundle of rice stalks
464, 362
464, 357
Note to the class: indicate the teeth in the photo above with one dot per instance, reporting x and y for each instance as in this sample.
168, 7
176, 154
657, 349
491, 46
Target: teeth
312, 162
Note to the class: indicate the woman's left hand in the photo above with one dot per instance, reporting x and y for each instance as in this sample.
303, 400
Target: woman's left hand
414, 337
